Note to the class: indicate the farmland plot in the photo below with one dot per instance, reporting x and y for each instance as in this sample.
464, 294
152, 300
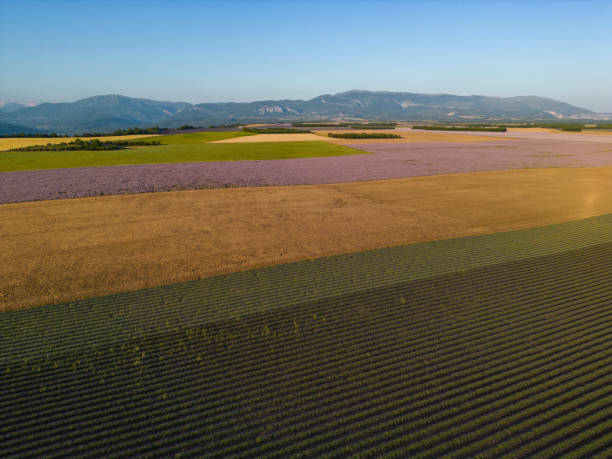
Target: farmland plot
498, 355
68, 249
192, 166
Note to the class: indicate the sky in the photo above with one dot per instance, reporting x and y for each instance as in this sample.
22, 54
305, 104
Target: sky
207, 51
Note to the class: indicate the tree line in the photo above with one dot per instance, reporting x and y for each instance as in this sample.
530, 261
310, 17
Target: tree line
117, 132
88, 145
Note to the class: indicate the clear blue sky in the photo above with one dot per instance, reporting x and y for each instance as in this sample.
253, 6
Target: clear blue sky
198, 51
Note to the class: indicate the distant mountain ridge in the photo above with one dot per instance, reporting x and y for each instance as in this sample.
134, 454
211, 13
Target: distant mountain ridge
109, 112
8, 107
93, 113
9, 129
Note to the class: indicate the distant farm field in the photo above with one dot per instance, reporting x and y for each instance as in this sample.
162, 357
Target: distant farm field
334, 314
199, 137
410, 136
65, 249
187, 150
274, 138
386, 161
8, 143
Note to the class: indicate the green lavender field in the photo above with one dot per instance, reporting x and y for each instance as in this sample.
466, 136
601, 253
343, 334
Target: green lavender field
475, 347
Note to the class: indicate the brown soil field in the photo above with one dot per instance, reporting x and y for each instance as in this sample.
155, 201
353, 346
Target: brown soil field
9, 143
52, 251
272, 138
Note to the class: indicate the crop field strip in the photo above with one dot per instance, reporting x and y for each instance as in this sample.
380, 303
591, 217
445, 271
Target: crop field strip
12, 161
8, 143
21, 343
438, 364
205, 166
445, 312
29, 334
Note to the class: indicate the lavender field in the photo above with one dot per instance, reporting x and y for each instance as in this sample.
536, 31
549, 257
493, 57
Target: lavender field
387, 161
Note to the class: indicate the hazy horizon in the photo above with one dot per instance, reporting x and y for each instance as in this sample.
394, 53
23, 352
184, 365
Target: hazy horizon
240, 51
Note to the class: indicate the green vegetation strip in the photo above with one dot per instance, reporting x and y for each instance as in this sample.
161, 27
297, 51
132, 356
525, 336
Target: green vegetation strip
179, 152
33, 333
475, 363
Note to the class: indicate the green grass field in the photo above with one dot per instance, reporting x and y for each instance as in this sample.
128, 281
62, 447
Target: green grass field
486, 346
185, 148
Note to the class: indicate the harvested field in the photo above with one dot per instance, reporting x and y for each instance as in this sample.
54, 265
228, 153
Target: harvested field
585, 131
189, 131
547, 130
319, 134
595, 132
8, 143
388, 161
458, 348
543, 135
411, 136
198, 137
62, 250
273, 138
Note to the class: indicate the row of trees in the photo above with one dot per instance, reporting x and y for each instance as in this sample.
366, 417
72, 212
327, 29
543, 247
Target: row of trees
52, 135
88, 145
117, 132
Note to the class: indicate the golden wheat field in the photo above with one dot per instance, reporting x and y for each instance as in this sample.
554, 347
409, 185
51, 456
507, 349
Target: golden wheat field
259, 138
409, 136
54, 251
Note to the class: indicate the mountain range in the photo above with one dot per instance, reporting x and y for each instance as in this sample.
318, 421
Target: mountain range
110, 112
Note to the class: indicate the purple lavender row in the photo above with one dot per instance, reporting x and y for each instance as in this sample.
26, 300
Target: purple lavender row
389, 160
